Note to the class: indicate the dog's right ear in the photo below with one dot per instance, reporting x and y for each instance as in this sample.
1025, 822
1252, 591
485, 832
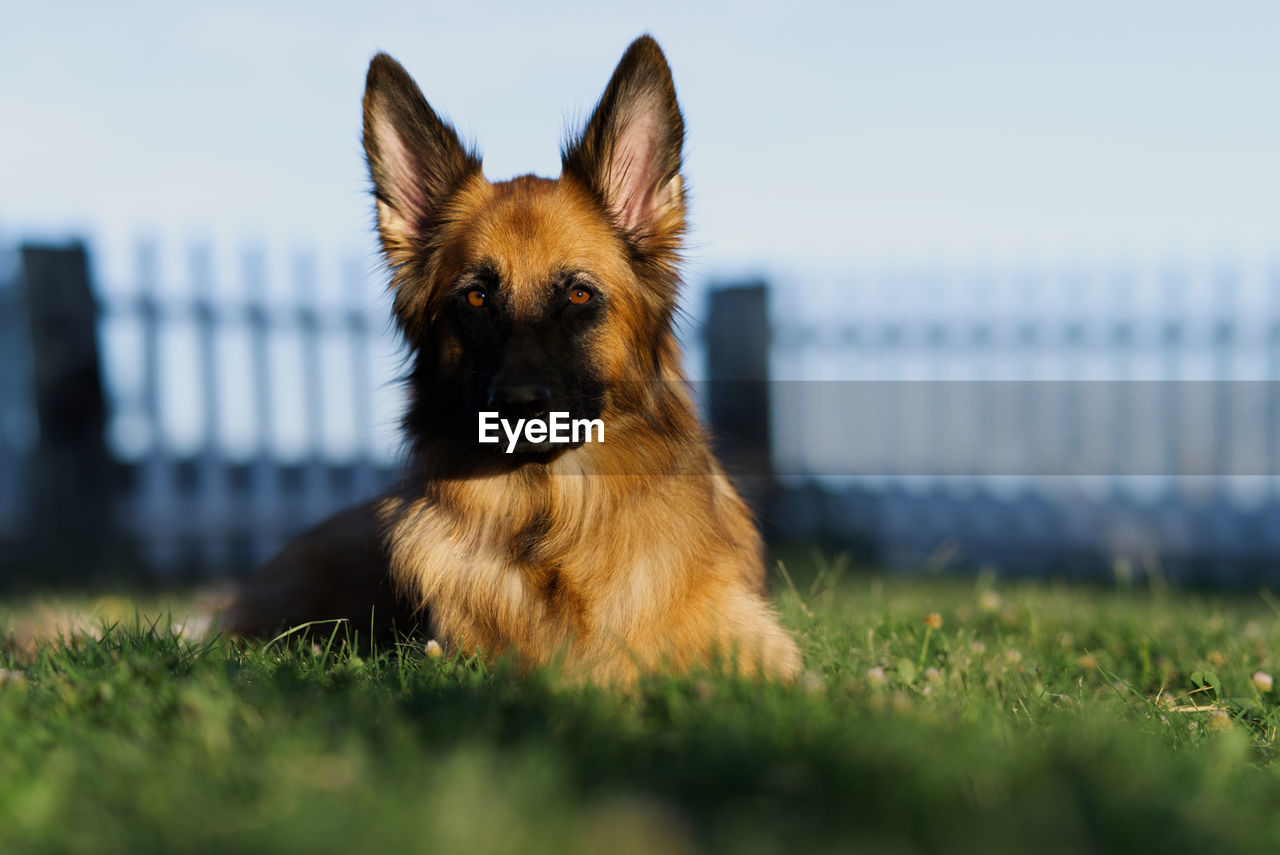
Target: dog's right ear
415, 159
629, 153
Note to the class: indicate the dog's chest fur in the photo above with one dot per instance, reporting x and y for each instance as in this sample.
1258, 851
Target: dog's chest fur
577, 566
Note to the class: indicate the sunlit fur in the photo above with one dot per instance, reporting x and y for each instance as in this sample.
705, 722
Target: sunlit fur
612, 558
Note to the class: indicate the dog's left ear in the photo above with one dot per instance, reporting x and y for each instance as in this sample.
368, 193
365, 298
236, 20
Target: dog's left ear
415, 159
629, 154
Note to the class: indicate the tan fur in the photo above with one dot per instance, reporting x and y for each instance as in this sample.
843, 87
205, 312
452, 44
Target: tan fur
616, 558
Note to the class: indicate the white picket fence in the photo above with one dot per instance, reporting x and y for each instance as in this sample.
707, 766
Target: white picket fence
222, 395
1022, 417
213, 505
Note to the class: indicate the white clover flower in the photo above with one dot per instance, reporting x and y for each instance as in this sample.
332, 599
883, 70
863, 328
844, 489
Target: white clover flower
12, 678
811, 682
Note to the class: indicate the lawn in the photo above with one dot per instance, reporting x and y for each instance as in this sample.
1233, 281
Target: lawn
937, 715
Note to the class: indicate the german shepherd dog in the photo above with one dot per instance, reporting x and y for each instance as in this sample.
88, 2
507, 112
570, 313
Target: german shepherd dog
524, 298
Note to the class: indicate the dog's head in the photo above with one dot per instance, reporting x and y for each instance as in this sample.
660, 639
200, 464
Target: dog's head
532, 295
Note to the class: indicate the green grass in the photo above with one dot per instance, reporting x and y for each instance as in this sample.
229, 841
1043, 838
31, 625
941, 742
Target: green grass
1058, 719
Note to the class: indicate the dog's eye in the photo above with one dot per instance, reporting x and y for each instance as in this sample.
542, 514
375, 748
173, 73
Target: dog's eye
578, 296
476, 297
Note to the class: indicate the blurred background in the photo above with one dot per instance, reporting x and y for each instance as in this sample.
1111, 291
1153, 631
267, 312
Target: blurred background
985, 285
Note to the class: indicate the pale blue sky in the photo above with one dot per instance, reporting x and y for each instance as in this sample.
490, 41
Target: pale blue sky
819, 134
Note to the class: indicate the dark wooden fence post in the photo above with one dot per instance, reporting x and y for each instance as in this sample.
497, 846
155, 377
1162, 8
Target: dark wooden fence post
71, 478
738, 400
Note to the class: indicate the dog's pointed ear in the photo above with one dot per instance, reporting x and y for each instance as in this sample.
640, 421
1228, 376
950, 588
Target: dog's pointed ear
629, 153
415, 158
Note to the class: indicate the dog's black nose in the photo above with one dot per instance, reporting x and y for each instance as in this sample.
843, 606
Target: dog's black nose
521, 400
